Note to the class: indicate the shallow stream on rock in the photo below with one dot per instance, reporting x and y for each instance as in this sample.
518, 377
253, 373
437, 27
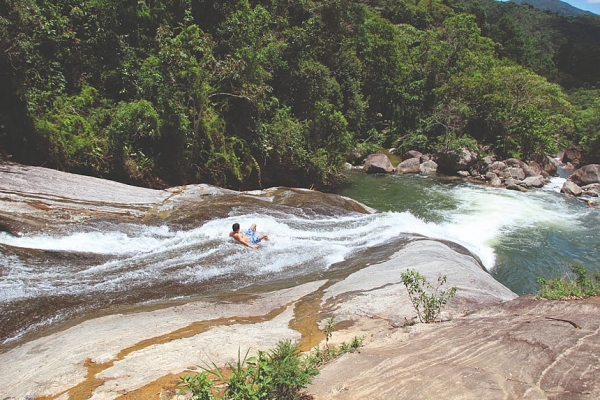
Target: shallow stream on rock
47, 279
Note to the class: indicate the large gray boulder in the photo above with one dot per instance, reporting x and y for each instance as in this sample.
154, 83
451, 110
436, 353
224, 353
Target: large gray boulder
493, 179
586, 175
534, 181
496, 167
378, 164
514, 173
428, 167
452, 162
409, 166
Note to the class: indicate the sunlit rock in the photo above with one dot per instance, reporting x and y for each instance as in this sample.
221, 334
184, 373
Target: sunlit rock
586, 175
378, 164
409, 166
428, 167
571, 189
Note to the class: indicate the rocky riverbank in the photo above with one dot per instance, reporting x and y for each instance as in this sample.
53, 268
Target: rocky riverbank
513, 174
492, 345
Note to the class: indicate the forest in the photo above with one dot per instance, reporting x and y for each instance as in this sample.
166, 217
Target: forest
255, 93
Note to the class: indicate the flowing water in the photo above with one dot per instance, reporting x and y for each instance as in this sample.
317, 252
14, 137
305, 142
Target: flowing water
48, 279
517, 236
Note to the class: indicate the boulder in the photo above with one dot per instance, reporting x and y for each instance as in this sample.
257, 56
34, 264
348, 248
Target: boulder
428, 167
513, 162
496, 167
573, 154
535, 167
548, 164
529, 171
571, 189
409, 166
592, 190
514, 184
452, 162
464, 174
489, 160
412, 154
378, 164
513, 172
586, 175
493, 179
534, 181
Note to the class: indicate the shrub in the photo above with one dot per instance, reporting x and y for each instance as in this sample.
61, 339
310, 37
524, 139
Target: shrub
428, 305
278, 374
574, 285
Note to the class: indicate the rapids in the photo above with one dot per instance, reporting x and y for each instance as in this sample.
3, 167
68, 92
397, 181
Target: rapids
50, 278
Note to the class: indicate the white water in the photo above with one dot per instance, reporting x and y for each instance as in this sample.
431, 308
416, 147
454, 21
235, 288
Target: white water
149, 255
517, 236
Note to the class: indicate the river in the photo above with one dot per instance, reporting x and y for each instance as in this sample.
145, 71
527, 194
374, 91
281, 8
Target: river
517, 236
47, 280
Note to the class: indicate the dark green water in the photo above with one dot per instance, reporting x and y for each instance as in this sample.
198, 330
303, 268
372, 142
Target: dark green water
518, 236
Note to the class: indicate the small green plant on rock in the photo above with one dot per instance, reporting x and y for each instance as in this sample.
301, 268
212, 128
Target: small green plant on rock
575, 285
426, 300
200, 385
278, 374
321, 355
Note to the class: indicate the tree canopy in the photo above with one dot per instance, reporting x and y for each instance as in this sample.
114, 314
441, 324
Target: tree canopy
247, 94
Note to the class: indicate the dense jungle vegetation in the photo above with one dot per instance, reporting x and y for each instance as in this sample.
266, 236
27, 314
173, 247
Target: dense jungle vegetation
253, 93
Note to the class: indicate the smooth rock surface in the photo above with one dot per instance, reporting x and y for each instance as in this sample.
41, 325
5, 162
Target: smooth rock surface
522, 349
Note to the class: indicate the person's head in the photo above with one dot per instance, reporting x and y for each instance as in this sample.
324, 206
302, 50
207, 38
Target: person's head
235, 227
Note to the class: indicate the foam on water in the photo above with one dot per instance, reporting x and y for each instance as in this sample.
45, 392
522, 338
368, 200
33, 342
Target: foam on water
299, 244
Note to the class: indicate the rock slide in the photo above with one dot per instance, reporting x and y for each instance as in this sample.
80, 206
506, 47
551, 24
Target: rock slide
492, 345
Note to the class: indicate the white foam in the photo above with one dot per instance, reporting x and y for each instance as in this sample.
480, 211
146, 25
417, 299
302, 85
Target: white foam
151, 255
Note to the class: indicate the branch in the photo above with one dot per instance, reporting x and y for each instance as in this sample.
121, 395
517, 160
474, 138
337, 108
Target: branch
239, 96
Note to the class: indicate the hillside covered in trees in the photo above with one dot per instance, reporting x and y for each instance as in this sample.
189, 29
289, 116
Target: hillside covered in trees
246, 94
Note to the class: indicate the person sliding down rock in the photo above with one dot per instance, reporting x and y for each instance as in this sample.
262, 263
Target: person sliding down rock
250, 239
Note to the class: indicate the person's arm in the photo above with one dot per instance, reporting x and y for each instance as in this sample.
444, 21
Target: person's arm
240, 238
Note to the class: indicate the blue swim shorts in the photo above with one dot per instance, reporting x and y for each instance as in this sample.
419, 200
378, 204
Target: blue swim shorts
253, 237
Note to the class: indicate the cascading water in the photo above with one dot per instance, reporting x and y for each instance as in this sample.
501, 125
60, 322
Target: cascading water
46, 279
518, 236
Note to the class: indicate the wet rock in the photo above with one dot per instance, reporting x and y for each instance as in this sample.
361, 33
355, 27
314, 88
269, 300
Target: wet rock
534, 181
571, 189
378, 164
514, 184
592, 190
